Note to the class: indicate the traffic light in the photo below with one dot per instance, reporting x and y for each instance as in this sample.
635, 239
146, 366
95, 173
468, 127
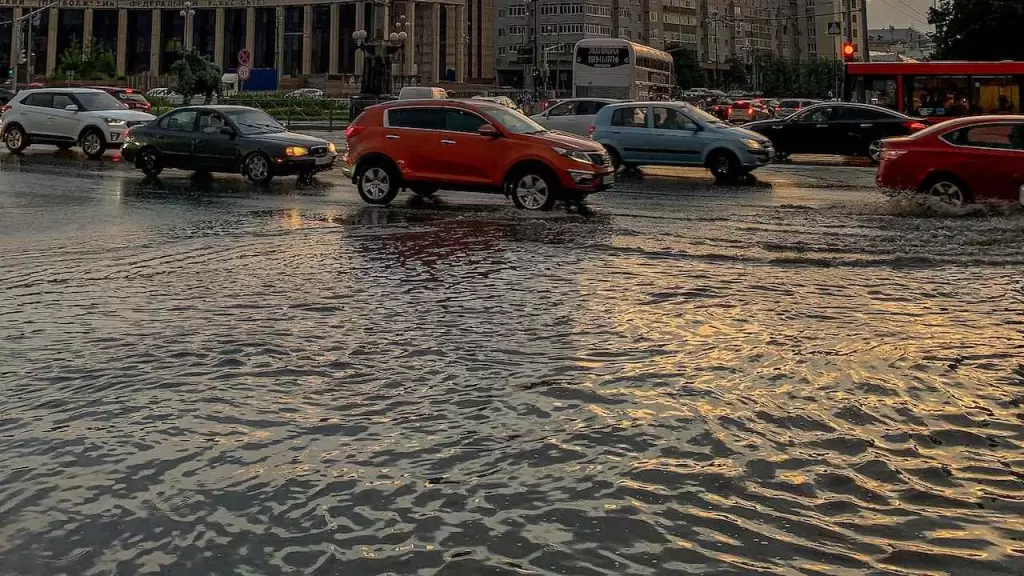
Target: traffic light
849, 51
10, 73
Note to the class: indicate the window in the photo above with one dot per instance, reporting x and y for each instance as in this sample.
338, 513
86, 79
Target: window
571, 29
548, 9
184, 121
516, 11
422, 118
210, 122
589, 108
516, 30
991, 136
564, 109
856, 113
502, 13
41, 100
630, 117
548, 29
672, 119
688, 3
571, 8
61, 101
689, 38
654, 16
462, 121
501, 50
823, 114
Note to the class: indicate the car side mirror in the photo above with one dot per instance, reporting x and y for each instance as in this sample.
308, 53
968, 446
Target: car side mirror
488, 130
228, 131
71, 108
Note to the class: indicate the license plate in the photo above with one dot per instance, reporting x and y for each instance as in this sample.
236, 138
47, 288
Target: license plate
609, 179
323, 160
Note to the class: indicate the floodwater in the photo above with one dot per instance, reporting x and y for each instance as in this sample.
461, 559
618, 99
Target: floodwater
783, 378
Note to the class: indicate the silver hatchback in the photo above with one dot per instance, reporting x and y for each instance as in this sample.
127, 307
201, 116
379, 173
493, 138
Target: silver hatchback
575, 115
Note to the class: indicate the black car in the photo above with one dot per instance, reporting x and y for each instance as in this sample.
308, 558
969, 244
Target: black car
5, 96
844, 128
226, 139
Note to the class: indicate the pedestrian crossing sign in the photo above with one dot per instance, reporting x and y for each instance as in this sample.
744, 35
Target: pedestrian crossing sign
834, 29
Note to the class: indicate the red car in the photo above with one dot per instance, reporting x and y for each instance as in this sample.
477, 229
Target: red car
426, 145
963, 160
130, 98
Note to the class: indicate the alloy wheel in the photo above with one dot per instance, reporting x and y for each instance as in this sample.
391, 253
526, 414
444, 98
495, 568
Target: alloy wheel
875, 150
376, 183
532, 191
14, 139
91, 143
948, 191
257, 167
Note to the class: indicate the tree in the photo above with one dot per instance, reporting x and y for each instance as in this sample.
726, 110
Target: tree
735, 76
978, 29
92, 63
196, 75
687, 68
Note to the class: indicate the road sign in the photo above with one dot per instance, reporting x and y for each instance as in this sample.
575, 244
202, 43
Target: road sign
243, 73
244, 57
834, 28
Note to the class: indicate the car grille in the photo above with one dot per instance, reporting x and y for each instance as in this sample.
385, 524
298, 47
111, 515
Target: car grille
318, 151
599, 158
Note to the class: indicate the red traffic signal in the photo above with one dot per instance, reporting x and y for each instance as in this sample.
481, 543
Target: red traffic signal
849, 50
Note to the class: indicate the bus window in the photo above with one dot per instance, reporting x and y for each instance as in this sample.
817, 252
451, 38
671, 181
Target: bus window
878, 90
995, 95
941, 96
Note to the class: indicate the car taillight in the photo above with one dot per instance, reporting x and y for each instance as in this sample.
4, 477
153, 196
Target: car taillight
914, 126
590, 130
5, 108
354, 130
892, 154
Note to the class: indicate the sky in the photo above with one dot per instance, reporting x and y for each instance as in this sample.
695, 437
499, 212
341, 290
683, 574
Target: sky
899, 13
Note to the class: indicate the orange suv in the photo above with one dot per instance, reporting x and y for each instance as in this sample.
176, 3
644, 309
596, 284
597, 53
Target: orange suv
475, 145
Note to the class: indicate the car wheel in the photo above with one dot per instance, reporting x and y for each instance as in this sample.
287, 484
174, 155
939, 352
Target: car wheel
15, 139
725, 166
533, 190
63, 147
256, 168
875, 151
92, 144
377, 183
425, 191
948, 189
616, 158
149, 161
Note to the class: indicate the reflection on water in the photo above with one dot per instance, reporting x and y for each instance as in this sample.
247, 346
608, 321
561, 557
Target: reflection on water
463, 389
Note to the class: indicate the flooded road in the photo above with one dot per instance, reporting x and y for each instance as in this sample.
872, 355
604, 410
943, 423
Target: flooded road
791, 377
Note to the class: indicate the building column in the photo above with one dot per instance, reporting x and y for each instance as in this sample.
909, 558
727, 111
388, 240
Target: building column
250, 31
332, 58
279, 42
436, 66
51, 44
360, 24
307, 40
409, 50
218, 38
122, 41
460, 43
87, 30
154, 45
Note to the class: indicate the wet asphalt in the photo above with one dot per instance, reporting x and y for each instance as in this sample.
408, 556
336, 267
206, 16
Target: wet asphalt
798, 375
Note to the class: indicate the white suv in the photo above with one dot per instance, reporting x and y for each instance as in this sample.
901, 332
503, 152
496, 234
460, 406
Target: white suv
64, 117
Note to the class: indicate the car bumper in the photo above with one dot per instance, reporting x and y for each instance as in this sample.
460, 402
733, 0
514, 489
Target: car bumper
288, 165
587, 182
757, 158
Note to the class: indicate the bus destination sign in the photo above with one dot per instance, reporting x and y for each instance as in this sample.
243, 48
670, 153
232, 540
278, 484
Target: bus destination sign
602, 57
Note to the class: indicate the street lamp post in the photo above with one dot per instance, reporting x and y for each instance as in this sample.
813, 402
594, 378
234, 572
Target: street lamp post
187, 13
378, 54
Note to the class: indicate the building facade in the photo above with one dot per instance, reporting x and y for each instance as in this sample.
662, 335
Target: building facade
295, 37
904, 43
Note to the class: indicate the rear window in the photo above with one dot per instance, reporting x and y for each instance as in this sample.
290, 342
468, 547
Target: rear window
993, 136
741, 105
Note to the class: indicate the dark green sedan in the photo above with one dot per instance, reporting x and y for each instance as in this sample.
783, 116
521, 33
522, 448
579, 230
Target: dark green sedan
230, 139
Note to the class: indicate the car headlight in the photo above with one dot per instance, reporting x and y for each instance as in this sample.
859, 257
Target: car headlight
572, 154
752, 144
295, 151
113, 122
331, 147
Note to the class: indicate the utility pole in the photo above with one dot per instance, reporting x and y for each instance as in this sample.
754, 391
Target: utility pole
848, 19
28, 51
866, 50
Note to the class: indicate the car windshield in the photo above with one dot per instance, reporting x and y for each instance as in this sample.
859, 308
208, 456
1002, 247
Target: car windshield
514, 121
702, 116
255, 122
92, 101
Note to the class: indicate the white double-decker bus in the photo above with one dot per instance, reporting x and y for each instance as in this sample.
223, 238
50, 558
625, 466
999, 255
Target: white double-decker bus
617, 68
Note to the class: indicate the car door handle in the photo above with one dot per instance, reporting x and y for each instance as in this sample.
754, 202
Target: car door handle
866, 125
392, 136
447, 141
822, 126
51, 117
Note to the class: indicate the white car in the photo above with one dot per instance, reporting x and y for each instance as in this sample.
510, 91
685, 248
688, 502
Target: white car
65, 117
574, 115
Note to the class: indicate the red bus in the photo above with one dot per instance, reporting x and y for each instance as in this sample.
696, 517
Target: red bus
938, 89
